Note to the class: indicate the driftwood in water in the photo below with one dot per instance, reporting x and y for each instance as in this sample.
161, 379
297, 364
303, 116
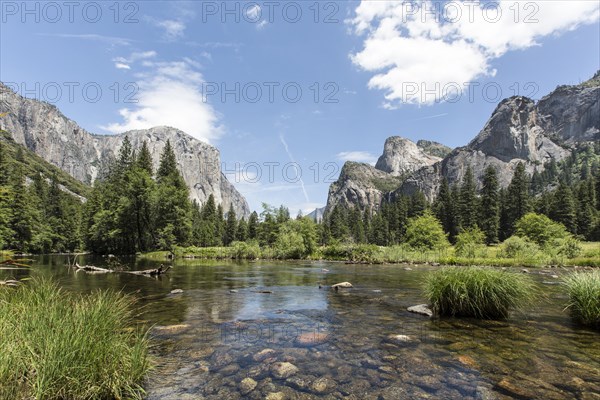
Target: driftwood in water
148, 272
13, 264
152, 272
91, 268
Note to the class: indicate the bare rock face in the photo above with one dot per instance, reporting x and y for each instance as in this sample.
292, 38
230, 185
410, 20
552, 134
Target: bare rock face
361, 185
401, 156
519, 130
42, 128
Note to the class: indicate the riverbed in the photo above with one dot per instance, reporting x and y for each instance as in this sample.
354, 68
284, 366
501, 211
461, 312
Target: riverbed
267, 330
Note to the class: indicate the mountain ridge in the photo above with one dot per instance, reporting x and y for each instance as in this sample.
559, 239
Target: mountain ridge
42, 128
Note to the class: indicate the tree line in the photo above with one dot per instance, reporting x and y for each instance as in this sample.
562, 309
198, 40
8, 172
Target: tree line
135, 208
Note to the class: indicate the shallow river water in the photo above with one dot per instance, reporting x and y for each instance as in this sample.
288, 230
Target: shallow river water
225, 338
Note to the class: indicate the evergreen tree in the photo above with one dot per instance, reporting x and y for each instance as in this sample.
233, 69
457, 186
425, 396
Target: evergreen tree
4, 166
468, 201
517, 201
22, 219
230, 227
563, 208
168, 163
253, 226
584, 210
241, 233
144, 159
489, 220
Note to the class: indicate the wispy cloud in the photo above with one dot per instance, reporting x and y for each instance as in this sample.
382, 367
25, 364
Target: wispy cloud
430, 117
173, 29
125, 62
358, 156
112, 40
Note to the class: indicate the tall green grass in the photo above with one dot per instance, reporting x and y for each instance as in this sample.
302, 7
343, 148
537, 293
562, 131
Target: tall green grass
478, 292
59, 345
584, 297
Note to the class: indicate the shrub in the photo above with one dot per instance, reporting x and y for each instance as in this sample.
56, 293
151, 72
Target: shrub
517, 247
539, 229
58, 345
245, 250
584, 297
426, 233
478, 292
470, 243
289, 245
568, 247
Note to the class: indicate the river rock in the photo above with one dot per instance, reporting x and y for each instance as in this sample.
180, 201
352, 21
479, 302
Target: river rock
263, 355
422, 309
401, 339
311, 338
176, 291
344, 285
283, 370
323, 385
247, 385
171, 329
275, 396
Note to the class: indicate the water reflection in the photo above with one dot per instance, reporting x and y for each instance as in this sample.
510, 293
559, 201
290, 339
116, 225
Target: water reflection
359, 343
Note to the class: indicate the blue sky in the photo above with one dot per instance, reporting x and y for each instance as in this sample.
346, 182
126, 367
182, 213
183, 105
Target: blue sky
366, 71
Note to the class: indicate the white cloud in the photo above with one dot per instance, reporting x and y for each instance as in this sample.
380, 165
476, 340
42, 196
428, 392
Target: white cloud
125, 62
111, 40
173, 29
169, 94
261, 25
418, 55
358, 156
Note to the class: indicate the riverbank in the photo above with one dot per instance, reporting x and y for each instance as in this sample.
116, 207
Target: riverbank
371, 254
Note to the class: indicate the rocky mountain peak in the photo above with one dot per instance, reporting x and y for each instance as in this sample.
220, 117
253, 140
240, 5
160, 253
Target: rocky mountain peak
43, 129
401, 156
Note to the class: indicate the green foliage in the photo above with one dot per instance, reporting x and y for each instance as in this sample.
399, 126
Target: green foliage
245, 250
477, 292
517, 202
583, 289
490, 206
468, 205
296, 239
59, 345
518, 248
425, 232
470, 243
539, 229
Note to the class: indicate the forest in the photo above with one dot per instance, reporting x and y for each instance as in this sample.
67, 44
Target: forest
133, 209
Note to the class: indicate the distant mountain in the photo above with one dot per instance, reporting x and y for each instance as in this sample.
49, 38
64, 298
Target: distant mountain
317, 214
44, 130
519, 130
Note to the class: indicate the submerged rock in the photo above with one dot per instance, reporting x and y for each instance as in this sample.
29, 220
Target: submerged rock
422, 309
311, 338
176, 291
323, 385
247, 385
283, 370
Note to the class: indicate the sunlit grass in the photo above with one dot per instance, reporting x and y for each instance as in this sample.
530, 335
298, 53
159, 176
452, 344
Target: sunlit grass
58, 345
478, 292
584, 297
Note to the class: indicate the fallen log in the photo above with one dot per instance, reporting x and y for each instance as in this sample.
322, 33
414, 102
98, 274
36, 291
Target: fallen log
152, 272
91, 268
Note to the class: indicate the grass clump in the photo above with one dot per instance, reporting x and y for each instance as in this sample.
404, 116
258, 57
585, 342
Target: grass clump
478, 292
59, 345
584, 297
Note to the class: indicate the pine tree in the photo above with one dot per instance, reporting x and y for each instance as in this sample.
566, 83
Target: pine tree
253, 226
230, 227
468, 201
22, 219
241, 233
168, 163
517, 197
4, 166
490, 206
563, 208
584, 210
125, 159
144, 159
